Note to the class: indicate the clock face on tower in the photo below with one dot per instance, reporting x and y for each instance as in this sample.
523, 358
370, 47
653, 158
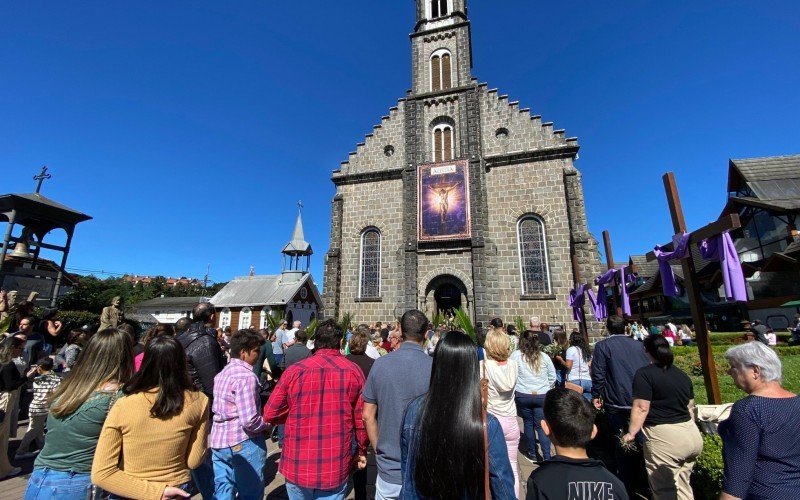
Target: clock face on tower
303, 293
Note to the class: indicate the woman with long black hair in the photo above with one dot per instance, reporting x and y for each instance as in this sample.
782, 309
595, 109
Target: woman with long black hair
578, 359
442, 444
161, 424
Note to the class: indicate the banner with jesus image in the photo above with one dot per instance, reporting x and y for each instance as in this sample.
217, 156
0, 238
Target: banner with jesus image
443, 196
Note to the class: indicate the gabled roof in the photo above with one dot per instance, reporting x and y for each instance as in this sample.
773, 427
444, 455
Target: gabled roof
643, 268
770, 178
32, 207
252, 291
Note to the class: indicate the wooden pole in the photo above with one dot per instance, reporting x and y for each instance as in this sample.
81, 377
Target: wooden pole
576, 272
616, 303
693, 293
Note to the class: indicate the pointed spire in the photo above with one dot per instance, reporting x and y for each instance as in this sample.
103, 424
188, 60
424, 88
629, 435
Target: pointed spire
298, 245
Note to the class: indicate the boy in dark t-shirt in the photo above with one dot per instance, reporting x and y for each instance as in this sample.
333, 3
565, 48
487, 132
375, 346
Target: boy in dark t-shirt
571, 474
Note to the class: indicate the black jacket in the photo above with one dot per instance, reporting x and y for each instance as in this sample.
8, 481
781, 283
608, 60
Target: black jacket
614, 363
204, 358
562, 478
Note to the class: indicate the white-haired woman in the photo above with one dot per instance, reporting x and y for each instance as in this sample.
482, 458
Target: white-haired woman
761, 439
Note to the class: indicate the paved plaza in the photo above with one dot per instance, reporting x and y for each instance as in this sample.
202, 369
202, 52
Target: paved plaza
14, 488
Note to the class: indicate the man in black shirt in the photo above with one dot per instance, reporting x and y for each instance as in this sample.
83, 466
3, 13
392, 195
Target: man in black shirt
571, 474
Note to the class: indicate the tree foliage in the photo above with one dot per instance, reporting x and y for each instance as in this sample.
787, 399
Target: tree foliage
92, 294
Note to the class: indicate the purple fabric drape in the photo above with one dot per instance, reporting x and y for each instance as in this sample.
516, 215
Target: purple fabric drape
601, 309
722, 248
667, 276
577, 299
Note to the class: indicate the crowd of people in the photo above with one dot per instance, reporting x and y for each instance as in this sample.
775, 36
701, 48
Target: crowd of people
187, 408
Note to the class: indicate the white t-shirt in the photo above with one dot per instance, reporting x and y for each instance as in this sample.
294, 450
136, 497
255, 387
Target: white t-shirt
580, 366
290, 334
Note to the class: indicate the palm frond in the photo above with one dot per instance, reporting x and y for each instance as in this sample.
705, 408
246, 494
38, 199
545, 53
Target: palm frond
5, 323
520, 324
311, 329
462, 322
346, 323
274, 319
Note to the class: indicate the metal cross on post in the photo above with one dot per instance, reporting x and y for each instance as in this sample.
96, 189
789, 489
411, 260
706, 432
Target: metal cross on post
616, 302
300, 205
41, 178
691, 284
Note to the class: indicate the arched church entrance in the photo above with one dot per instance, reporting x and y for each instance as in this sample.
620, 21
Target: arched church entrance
445, 294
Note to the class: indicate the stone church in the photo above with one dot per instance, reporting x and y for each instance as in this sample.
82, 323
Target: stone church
458, 198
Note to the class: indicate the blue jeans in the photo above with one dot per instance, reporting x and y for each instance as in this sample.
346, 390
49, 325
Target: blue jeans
203, 478
240, 470
278, 358
49, 484
587, 387
297, 493
531, 409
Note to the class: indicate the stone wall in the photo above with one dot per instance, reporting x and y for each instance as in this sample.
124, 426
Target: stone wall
374, 204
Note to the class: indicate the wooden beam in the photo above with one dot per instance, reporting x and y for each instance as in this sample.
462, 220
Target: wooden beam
616, 302
576, 272
693, 294
725, 223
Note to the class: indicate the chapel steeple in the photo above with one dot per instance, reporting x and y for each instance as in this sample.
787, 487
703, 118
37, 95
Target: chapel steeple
439, 12
297, 249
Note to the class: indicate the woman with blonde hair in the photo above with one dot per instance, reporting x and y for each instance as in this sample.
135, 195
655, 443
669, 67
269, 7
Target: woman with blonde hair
77, 412
161, 425
535, 376
502, 376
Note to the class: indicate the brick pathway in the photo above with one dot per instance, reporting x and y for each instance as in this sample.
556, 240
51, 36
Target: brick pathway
14, 488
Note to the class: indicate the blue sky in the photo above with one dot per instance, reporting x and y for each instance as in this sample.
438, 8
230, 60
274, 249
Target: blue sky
189, 130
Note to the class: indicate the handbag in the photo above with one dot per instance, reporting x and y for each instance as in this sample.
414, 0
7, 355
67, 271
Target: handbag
487, 493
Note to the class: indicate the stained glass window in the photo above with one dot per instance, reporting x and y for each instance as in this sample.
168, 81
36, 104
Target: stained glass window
370, 286
533, 256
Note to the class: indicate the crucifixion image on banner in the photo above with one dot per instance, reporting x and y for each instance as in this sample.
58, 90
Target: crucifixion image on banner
443, 194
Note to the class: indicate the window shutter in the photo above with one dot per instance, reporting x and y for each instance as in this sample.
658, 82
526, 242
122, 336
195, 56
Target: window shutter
436, 74
446, 73
448, 144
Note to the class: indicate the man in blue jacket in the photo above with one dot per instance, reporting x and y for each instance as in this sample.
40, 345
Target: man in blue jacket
614, 363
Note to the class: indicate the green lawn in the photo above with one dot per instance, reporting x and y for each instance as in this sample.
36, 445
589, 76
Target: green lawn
688, 360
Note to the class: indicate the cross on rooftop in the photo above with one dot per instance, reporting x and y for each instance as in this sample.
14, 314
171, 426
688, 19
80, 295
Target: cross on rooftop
300, 205
41, 178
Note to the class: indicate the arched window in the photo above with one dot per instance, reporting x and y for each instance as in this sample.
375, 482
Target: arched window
438, 8
225, 318
441, 70
263, 323
533, 256
442, 142
244, 318
370, 280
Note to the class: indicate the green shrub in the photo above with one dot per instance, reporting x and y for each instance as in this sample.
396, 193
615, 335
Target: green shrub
76, 319
707, 474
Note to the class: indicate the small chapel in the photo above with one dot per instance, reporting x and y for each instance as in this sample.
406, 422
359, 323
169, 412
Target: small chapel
458, 198
247, 300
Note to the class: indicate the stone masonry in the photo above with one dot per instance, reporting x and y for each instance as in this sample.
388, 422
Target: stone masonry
518, 166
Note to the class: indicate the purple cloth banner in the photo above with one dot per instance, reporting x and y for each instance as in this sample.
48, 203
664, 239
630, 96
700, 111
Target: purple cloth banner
601, 308
667, 276
722, 248
577, 299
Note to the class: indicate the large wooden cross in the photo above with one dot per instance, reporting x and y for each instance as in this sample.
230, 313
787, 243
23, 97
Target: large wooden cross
616, 301
725, 223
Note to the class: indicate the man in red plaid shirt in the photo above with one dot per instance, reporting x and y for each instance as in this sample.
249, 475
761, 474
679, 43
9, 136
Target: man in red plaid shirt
319, 400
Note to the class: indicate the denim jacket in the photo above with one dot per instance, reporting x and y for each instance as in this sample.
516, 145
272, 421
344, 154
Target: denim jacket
501, 478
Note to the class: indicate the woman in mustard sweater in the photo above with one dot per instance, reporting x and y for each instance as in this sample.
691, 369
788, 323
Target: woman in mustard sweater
161, 424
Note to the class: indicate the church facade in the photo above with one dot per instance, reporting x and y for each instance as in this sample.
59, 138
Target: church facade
458, 198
